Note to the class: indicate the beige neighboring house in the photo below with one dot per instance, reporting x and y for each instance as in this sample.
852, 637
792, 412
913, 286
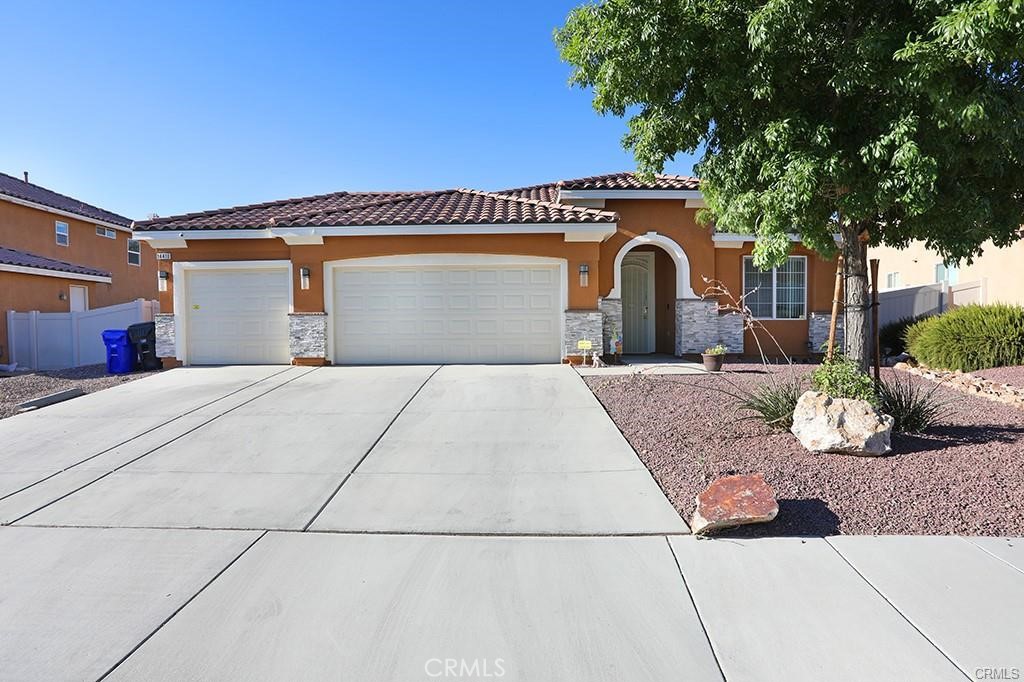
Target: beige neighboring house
997, 275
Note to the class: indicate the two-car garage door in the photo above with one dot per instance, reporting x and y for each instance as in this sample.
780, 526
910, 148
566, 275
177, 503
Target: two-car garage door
507, 313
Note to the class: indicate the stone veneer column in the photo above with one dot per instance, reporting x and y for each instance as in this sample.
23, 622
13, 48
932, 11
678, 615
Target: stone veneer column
164, 335
730, 332
307, 335
611, 325
696, 325
817, 330
582, 325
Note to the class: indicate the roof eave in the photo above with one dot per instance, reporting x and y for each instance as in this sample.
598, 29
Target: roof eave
63, 213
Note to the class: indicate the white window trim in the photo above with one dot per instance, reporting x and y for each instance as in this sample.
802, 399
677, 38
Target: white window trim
105, 232
130, 252
180, 296
441, 259
57, 232
775, 276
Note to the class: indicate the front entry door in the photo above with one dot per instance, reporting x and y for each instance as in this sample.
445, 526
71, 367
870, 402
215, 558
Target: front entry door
638, 303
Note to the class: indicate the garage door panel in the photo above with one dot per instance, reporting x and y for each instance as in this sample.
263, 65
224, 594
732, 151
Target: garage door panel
439, 314
238, 316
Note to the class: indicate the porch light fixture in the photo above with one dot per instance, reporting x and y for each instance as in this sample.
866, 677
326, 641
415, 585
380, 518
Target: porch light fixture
161, 280
304, 278
584, 275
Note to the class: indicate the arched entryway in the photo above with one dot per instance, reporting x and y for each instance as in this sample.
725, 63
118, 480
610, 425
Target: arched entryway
651, 273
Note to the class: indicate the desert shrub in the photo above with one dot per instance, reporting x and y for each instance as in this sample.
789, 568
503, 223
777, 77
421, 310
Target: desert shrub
970, 337
841, 377
772, 401
912, 407
891, 335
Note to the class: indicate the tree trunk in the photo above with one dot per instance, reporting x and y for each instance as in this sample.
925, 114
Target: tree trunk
856, 331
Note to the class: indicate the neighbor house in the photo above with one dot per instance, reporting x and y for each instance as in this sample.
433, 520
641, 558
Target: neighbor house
997, 275
466, 276
59, 254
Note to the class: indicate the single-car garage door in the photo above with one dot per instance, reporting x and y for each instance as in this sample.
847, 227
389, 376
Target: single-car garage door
507, 313
238, 317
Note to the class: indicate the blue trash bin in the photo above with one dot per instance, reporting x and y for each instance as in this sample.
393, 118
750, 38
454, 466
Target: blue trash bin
120, 352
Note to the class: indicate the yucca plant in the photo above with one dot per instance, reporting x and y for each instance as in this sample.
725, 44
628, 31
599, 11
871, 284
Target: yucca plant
772, 402
913, 408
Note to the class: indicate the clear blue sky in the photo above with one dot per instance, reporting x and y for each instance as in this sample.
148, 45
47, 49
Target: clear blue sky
165, 108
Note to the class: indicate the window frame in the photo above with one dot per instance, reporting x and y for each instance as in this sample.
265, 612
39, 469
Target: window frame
105, 232
137, 252
57, 234
775, 282
892, 280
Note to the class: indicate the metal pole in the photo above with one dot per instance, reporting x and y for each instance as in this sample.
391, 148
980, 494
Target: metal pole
874, 318
835, 308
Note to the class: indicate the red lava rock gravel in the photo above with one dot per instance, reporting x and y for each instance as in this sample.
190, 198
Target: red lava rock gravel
26, 386
964, 477
1003, 375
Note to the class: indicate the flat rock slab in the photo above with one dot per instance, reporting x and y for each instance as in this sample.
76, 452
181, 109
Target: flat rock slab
792, 609
966, 601
613, 502
734, 501
335, 607
75, 600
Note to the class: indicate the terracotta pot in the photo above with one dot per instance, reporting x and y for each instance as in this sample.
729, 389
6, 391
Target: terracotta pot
713, 363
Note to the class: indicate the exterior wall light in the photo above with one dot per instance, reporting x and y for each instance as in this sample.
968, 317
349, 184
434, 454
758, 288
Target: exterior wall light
584, 275
161, 280
304, 277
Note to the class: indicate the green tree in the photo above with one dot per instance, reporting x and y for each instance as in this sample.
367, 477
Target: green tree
884, 122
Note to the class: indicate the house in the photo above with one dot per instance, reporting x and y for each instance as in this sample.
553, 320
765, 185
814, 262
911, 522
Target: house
994, 276
59, 254
462, 275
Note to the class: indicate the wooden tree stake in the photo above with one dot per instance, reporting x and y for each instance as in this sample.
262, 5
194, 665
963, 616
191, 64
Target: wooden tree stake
835, 308
874, 318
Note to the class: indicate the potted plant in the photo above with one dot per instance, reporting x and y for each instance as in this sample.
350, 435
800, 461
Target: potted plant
713, 357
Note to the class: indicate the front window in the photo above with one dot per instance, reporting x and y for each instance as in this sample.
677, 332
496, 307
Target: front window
61, 231
779, 293
105, 232
947, 273
892, 280
134, 252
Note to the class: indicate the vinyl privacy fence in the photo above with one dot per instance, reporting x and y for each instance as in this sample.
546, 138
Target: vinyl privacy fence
58, 340
928, 299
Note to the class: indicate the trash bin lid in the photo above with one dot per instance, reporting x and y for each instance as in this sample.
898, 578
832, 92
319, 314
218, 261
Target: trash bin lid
114, 337
140, 330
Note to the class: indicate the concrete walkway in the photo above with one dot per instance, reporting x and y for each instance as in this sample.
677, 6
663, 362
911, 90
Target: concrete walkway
419, 523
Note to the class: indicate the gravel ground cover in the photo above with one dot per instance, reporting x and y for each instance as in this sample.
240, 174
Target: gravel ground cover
1003, 375
90, 378
964, 477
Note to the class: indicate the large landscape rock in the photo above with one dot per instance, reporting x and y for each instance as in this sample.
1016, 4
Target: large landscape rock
734, 501
841, 425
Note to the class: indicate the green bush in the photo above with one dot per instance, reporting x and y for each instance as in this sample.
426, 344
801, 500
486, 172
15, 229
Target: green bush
970, 337
773, 402
891, 336
912, 408
841, 377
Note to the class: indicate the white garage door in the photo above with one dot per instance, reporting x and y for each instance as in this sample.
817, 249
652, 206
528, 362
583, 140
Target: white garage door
238, 317
449, 314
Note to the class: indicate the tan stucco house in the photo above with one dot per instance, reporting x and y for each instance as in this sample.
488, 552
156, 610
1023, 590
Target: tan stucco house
59, 255
466, 276
997, 275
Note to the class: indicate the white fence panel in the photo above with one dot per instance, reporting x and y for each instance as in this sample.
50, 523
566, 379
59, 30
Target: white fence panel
928, 299
58, 340
967, 293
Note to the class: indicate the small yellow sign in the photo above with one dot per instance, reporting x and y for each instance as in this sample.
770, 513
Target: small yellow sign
584, 345
195, 306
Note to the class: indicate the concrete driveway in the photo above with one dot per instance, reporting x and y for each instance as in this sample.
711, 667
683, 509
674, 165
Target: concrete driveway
418, 523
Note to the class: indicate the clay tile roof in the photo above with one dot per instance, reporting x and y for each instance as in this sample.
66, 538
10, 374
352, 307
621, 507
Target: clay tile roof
19, 189
614, 181
444, 207
31, 260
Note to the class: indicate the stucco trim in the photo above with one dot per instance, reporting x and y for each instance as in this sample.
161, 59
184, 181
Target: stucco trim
442, 259
683, 288
58, 274
180, 297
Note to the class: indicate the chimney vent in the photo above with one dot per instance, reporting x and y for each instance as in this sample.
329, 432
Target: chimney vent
26, 175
